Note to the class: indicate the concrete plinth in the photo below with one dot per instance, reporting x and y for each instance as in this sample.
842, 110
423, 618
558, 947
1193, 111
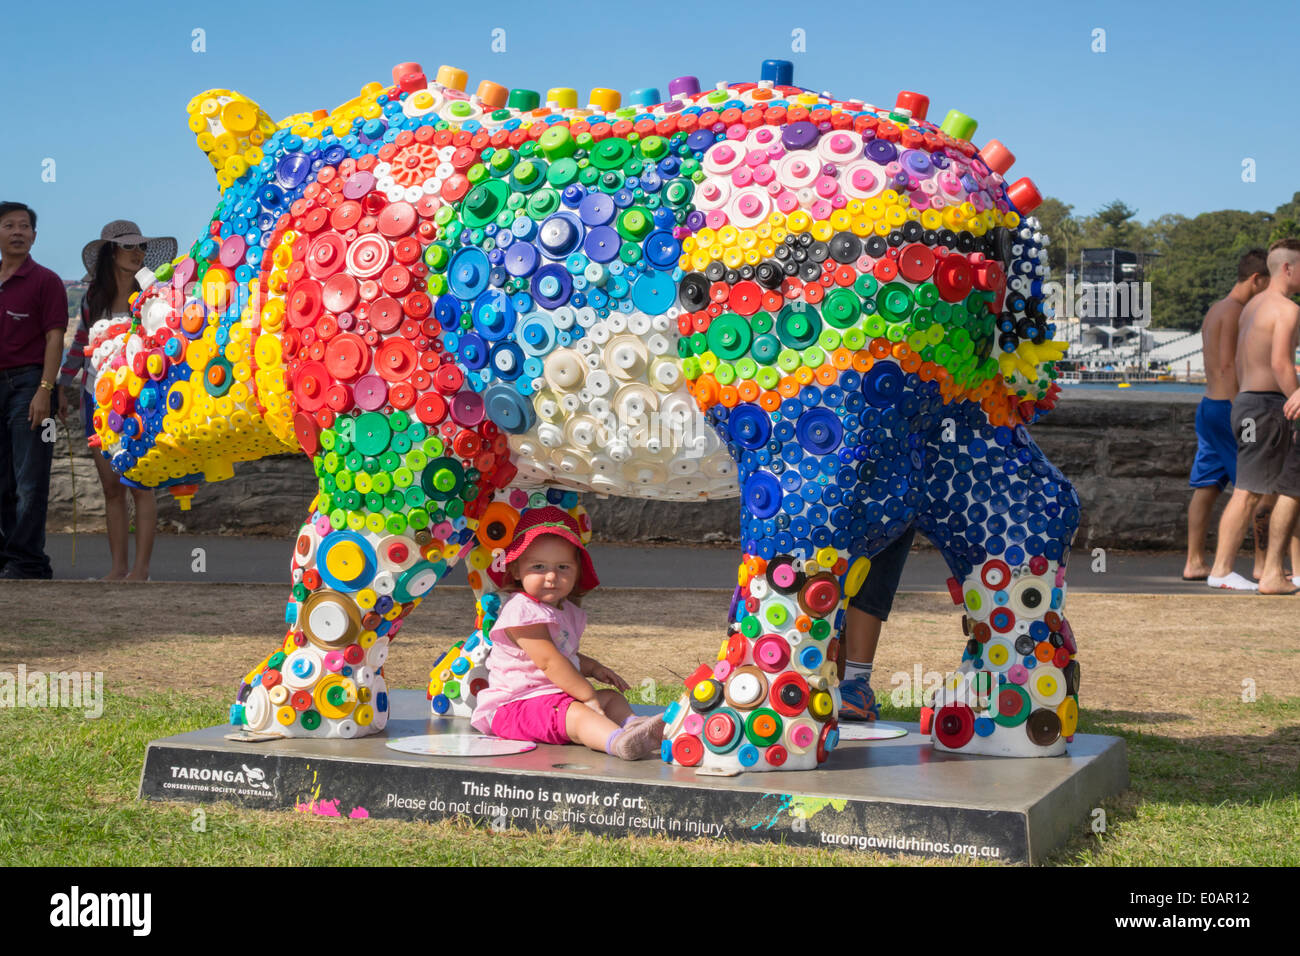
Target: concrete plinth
890, 796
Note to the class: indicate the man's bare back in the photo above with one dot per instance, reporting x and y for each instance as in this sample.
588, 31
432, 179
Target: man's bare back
1219, 344
1267, 323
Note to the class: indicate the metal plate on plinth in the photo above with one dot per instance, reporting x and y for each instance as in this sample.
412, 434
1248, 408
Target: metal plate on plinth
460, 745
870, 730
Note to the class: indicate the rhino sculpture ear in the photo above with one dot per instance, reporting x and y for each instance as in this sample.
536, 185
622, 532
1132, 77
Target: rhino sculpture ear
231, 130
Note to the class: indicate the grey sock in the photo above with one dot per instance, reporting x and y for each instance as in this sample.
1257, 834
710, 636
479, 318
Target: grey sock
611, 740
641, 739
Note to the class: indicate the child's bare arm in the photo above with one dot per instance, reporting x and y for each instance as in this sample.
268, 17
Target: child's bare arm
535, 641
597, 671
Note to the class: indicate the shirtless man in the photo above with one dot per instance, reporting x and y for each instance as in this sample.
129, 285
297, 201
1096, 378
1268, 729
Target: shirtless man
1268, 455
1216, 446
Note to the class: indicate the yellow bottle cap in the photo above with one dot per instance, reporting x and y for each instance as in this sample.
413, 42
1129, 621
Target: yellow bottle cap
563, 97
605, 99
452, 77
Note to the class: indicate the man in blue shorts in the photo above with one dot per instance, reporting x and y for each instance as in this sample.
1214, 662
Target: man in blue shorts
867, 611
1263, 413
1216, 445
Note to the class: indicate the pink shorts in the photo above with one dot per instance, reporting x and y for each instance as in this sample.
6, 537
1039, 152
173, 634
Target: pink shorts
539, 719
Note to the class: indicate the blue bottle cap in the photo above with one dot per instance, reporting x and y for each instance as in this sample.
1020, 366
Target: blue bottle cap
551, 287
778, 72
646, 96
762, 495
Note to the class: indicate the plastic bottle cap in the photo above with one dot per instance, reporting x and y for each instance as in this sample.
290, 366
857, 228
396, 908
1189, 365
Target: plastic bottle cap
917, 104
492, 95
1024, 195
958, 125
452, 77
563, 97
524, 100
777, 72
997, 157
683, 86
605, 99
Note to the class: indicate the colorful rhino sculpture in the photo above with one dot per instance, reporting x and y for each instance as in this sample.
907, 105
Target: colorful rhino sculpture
462, 306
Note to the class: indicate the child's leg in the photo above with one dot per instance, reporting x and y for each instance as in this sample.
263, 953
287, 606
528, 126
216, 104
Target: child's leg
601, 734
586, 727
615, 706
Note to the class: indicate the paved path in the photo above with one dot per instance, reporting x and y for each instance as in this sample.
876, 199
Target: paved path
266, 560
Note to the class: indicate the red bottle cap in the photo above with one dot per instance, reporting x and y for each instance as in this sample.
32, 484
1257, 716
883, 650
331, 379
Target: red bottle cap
1024, 195
997, 157
918, 105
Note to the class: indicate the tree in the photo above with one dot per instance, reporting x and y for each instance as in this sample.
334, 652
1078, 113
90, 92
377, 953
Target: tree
1199, 264
1154, 236
1284, 229
1116, 229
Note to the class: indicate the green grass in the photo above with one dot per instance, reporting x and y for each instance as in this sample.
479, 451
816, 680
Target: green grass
68, 796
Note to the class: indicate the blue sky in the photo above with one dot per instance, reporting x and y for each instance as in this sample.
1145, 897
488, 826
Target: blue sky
1163, 119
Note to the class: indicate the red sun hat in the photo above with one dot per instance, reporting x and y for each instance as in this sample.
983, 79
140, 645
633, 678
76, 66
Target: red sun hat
549, 520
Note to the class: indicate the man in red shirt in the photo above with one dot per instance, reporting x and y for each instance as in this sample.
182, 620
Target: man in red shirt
33, 316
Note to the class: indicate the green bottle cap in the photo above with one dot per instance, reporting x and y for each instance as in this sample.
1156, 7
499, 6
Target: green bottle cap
557, 142
524, 100
958, 125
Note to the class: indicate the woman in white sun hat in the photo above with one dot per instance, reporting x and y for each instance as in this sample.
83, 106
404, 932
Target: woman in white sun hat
112, 262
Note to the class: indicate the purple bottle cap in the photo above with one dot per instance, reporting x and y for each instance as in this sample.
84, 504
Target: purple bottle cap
882, 151
917, 160
232, 251
358, 184
370, 392
467, 408
798, 135
184, 273
684, 86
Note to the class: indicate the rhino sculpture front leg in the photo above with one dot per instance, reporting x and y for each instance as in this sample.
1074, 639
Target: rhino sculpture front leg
388, 522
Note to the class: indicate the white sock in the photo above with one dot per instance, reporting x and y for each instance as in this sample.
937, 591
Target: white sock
854, 669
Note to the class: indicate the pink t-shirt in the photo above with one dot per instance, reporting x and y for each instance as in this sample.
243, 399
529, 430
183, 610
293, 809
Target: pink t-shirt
512, 675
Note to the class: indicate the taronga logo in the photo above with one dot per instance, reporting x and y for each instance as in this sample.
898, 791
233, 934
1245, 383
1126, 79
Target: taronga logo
246, 776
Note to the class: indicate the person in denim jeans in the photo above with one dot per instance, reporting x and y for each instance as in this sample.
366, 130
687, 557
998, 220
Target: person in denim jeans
33, 316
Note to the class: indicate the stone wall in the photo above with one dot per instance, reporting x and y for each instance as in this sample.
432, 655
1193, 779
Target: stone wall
1128, 458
